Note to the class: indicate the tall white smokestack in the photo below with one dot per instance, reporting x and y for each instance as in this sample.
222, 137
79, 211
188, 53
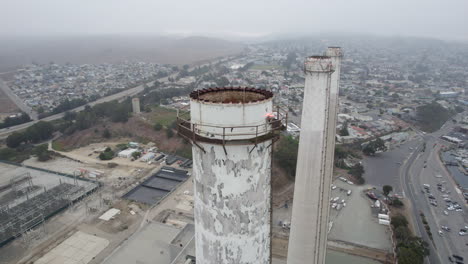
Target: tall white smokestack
336, 54
232, 131
309, 223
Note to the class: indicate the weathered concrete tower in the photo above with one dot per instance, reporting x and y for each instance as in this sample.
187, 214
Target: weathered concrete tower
335, 54
136, 105
309, 223
232, 130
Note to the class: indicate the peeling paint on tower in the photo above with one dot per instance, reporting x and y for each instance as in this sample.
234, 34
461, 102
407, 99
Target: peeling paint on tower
232, 130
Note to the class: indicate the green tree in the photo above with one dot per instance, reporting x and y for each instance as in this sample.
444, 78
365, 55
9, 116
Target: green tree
344, 130
106, 133
399, 220
373, 146
407, 256
387, 189
402, 233
42, 152
286, 155
397, 202
15, 139
108, 154
157, 126
357, 170
136, 154
169, 133
40, 131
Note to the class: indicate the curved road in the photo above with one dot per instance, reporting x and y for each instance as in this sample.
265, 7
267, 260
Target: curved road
425, 167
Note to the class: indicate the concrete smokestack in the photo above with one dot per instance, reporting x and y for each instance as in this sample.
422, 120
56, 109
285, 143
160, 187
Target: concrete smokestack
336, 54
309, 223
232, 130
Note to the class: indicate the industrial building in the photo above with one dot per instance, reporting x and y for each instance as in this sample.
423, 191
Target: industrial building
158, 186
232, 131
29, 196
136, 105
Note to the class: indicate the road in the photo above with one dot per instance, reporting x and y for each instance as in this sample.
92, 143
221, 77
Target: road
425, 167
21, 105
129, 92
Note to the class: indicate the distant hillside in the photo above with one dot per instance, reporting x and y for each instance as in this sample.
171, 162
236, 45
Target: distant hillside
112, 49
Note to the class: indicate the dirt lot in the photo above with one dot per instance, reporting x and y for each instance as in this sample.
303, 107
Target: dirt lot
6, 105
136, 129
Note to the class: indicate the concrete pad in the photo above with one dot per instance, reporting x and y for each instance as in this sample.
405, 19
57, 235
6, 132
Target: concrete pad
80, 248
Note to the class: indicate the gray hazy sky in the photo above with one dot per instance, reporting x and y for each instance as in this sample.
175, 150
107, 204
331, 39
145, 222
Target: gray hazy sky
446, 19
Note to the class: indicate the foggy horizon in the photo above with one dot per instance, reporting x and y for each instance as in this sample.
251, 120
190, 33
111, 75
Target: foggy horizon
239, 20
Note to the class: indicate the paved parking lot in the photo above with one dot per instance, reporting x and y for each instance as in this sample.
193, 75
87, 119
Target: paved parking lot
355, 222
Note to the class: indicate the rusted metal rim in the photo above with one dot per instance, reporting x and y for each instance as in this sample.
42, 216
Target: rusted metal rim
242, 95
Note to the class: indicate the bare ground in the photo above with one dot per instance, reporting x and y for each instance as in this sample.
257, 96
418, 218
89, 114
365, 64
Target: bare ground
134, 129
6, 105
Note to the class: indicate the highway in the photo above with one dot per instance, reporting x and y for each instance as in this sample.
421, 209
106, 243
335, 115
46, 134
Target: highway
129, 92
425, 167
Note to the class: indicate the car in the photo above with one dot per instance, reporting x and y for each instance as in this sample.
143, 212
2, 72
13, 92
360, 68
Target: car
445, 212
440, 233
458, 257
333, 187
458, 210
446, 228
450, 259
431, 196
